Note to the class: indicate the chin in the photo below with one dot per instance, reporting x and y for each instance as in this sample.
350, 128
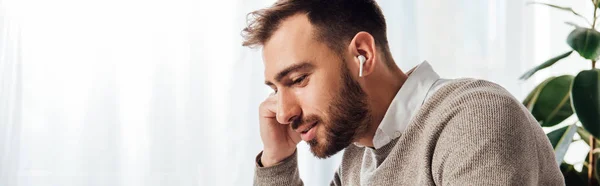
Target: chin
324, 150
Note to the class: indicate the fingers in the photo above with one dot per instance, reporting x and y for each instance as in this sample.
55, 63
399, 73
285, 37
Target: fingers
294, 135
268, 108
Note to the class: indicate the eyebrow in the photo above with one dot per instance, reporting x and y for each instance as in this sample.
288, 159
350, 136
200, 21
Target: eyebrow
296, 67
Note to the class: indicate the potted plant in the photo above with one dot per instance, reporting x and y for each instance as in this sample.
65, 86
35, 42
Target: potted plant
559, 97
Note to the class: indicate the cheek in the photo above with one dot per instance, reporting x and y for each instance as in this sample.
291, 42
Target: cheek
316, 98
321, 134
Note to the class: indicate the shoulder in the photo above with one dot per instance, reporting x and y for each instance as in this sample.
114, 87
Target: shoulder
483, 125
474, 112
468, 89
473, 107
474, 96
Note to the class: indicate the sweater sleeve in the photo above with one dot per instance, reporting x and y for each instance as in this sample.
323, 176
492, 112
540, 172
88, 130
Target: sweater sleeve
491, 139
284, 173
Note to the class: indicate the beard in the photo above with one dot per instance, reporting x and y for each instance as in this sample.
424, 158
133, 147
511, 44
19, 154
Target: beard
349, 117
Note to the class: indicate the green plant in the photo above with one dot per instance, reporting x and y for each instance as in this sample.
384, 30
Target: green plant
557, 98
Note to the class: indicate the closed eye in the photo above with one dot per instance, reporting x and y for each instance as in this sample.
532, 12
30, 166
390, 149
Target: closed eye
299, 80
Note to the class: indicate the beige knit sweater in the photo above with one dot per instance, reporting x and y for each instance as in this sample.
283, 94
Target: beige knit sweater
469, 132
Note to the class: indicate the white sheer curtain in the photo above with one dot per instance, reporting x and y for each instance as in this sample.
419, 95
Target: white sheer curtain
156, 92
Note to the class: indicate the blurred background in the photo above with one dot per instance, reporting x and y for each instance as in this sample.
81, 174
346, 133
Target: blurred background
157, 92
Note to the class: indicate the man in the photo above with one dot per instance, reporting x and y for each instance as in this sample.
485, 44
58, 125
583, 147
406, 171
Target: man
337, 87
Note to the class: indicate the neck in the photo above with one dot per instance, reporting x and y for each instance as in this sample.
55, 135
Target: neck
381, 88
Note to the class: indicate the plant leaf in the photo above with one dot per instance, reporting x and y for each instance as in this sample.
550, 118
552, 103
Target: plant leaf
531, 98
585, 136
568, 9
586, 42
572, 24
546, 64
556, 135
563, 144
550, 104
586, 100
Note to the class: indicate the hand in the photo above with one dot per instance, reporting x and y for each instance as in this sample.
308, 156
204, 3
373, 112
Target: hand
279, 140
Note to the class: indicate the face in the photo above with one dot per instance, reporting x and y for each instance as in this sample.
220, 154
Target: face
316, 92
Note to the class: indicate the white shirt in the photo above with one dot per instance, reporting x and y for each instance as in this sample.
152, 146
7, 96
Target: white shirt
422, 82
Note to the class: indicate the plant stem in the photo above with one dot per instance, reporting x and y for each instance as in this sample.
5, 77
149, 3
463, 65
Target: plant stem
594, 22
592, 160
593, 28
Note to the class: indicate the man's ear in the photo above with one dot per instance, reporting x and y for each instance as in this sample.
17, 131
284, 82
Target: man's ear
363, 44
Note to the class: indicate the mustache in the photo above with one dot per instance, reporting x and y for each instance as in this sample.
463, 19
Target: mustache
306, 120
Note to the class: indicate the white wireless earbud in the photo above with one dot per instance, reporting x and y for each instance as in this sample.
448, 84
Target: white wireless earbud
362, 60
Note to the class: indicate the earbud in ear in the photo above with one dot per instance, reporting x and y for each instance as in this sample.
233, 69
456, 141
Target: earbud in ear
362, 60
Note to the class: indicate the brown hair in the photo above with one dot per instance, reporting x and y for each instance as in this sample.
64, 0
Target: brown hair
336, 22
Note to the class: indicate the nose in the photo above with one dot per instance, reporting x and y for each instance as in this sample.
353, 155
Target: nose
287, 108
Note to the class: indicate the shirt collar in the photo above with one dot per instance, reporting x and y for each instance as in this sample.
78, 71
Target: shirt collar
405, 104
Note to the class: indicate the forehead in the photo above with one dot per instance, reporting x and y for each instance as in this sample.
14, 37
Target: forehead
293, 42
